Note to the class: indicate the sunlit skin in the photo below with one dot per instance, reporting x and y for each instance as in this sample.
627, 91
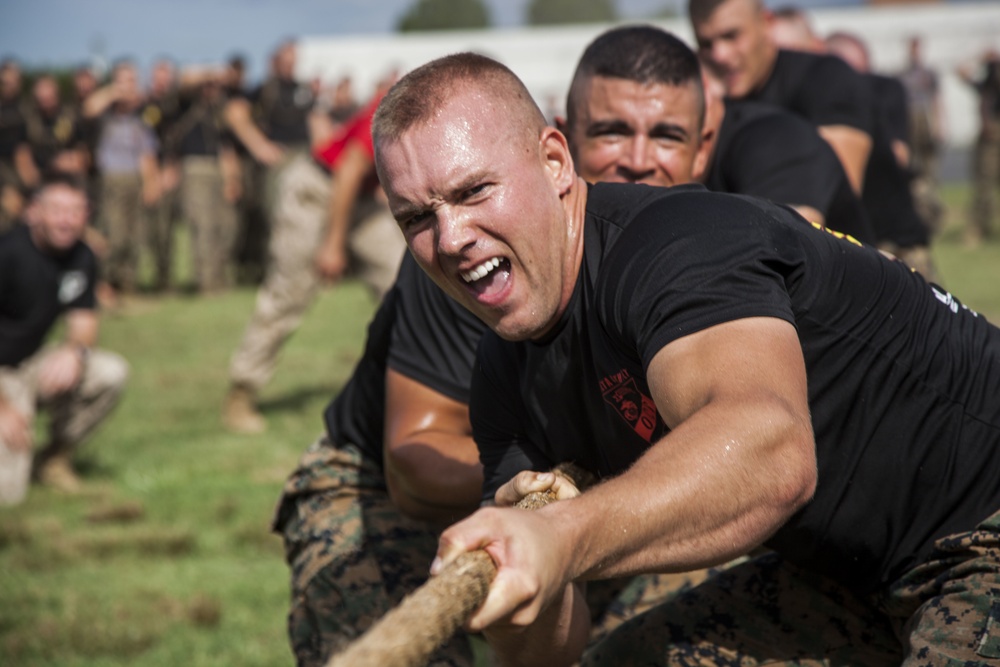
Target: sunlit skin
467, 196
629, 132
735, 42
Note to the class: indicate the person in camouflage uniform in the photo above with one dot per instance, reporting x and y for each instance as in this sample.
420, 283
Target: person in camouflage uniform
210, 179
361, 519
736, 377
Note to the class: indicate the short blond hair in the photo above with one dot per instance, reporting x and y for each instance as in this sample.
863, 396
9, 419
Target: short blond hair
416, 97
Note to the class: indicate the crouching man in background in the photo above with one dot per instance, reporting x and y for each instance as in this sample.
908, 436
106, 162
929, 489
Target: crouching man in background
45, 271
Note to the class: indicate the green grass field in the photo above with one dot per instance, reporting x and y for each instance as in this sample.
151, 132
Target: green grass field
166, 558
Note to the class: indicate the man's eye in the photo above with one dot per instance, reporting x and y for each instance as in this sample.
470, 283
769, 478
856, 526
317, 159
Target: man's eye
668, 138
474, 190
416, 219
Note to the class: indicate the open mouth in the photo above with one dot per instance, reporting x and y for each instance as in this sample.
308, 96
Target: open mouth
488, 277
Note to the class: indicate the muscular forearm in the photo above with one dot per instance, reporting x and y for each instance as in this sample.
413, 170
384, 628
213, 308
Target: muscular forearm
435, 477
703, 495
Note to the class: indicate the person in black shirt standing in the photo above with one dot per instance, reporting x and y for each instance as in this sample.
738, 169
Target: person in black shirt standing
733, 376
986, 157
160, 110
638, 112
47, 271
273, 121
53, 130
927, 137
210, 178
734, 39
17, 168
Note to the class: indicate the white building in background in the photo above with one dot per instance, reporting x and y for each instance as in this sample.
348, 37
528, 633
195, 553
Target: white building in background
544, 58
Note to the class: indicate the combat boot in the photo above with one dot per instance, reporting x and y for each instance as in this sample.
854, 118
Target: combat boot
56, 471
239, 412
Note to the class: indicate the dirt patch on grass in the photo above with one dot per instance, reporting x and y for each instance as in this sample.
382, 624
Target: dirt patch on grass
126, 512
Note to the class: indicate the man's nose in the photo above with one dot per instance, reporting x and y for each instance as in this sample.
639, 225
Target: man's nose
638, 162
721, 53
455, 232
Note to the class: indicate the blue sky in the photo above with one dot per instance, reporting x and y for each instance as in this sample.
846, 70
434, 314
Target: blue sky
59, 32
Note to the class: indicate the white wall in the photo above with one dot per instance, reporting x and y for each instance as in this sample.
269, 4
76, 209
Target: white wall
545, 57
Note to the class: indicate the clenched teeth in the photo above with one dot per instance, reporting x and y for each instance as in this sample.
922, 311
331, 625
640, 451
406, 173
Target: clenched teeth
481, 271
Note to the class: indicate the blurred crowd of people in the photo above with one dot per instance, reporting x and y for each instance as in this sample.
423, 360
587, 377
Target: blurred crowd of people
276, 186
277, 183
911, 113
150, 156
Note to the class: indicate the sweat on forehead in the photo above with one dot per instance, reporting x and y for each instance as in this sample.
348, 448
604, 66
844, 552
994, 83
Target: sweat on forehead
417, 97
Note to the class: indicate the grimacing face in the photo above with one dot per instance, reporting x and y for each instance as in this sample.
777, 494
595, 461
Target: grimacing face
630, 132
479, 200
735, 42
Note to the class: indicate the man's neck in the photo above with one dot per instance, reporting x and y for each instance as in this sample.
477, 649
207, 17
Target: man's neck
772, 62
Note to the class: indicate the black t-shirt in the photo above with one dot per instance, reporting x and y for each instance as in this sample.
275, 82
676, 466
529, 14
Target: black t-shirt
903, 381
13, 131
765, 151
282, 108
821, 88
49, 134
887, 195
201, 129
418, 332
35, 288
989, 89
160, 114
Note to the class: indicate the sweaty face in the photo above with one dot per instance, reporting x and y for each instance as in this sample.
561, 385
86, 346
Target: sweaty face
630, 132
478, 200
61, 218
734, 41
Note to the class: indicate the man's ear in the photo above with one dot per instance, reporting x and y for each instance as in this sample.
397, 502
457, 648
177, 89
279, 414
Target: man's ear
704, 155
557, 158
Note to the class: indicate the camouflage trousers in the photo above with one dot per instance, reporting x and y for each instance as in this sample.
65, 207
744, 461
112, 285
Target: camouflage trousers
212, 220
123, 218
942, 613
354, 556
159, 234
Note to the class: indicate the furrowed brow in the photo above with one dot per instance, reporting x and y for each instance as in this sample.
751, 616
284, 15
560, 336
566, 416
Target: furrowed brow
607, 126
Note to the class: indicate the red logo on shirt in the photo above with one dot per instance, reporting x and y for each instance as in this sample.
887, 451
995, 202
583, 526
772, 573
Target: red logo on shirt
638, 410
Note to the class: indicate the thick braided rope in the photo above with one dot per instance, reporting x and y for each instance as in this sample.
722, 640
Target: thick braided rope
409, 634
